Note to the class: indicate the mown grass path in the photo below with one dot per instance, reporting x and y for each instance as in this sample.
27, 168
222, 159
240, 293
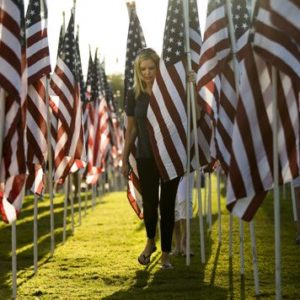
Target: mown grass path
100, 260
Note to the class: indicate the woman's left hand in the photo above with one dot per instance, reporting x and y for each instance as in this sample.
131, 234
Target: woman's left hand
191, 76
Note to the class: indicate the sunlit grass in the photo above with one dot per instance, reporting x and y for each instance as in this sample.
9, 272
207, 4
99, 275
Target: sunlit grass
100, 260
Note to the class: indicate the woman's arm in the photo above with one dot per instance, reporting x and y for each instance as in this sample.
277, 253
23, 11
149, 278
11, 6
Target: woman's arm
130, 136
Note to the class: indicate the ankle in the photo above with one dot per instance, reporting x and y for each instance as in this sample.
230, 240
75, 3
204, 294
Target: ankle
165, 257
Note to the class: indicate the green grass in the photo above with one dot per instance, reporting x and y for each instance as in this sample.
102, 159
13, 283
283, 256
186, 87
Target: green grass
100, 260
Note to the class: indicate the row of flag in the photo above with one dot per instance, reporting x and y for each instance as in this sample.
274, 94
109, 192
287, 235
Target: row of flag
242, 63
59, 112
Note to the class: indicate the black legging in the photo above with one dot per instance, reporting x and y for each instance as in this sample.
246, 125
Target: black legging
149, 180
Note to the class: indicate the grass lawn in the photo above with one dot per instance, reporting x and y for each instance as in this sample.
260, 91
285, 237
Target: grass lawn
99, 261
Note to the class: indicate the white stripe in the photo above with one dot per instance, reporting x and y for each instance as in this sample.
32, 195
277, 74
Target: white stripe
37, 27
215, 15
287, 10
10, 74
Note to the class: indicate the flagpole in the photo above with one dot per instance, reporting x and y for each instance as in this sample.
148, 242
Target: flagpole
50, 169
236, 79
209, 212
187, 187
14, 258
219, 207
192, 99
230, 234
35, 234
276, 189
79, 197
2, 120
254, 258
71, 197
294, 202
66, 186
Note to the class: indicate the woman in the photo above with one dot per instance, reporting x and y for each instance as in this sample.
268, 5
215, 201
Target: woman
145, 67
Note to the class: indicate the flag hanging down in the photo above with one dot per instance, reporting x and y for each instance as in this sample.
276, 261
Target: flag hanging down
167, 115
38, 67
65, 84
13, 161
250, 174
203, 122
227, 89
135, 42
102, 134
90, 109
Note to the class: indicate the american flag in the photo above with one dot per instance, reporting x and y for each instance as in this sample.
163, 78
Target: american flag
167, 116
216, 81
102, 130
135, 42
13, 167
65, 84
251, 169
89, 123
38, 67
228, 90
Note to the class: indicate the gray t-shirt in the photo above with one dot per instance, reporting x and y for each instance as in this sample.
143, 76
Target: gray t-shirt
138, 108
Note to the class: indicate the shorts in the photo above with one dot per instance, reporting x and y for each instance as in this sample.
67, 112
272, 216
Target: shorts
180, 206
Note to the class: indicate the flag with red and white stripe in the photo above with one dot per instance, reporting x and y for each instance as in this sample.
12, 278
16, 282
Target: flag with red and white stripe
251, 169
13, 161
65, 84
167, 112
38, 67
135, 42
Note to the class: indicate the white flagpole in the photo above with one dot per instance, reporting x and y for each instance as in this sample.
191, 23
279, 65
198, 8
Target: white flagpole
50, 170
71, 197
85, 198
187, 187
276, 189
219, 207
242, 260
230, 234
294, 202
254, 258
209, 211
252, 231
205, 195
14, 258
192, 98
79, 198
236, 78
35, 234
66, 186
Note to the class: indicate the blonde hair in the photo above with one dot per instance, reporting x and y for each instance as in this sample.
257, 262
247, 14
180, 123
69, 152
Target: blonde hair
144, 54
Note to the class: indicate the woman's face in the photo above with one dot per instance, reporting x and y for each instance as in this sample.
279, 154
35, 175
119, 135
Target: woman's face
148, 71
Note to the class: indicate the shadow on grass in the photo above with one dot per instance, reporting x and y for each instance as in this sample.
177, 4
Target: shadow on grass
25, 239
183, 282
